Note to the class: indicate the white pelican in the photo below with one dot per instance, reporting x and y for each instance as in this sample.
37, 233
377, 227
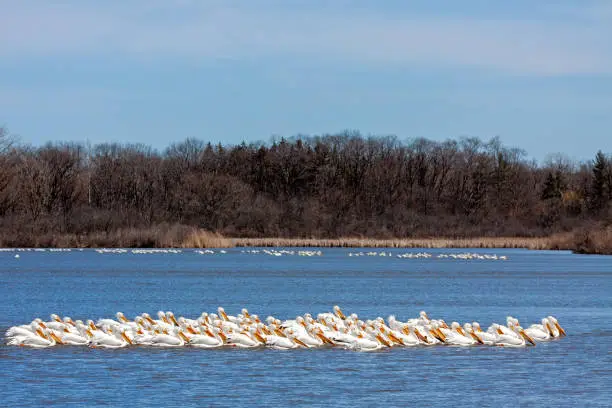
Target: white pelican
25, 329
456, 336
241, 339
113, 340
46, 338
208, 339
166, 339
365, 342
277, 342
555, 324
540, 332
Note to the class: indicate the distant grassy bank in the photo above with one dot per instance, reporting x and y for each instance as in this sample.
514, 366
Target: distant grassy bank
498, 242
159, 236
594, 240
584, 241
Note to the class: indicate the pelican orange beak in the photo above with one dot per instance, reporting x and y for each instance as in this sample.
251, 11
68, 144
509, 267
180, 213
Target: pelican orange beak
324, 338
527, 337
475, 337
71, 322
223, 336
57, 319
174, 320
438, 335
406, 331
558, 326
499, 331
279, 333
126, 338
54, 337
382, 341
461, 332
66, 330
300, 342
89, 333
442, 335
191, 330
151, 321
182, 335
420, 336
40, 333
247, 314
224, 315
435, 334
550, 330
396, 339
124, 320
426, 317
303, 324
43, 325
165, 319
340, 314
259, 337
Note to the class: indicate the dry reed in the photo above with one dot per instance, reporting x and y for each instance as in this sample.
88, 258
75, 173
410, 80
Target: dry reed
499, 242
158, 236
584, 241
593, 240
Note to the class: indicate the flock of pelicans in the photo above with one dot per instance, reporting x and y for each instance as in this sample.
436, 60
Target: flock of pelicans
427, 255
246, 330
272, 252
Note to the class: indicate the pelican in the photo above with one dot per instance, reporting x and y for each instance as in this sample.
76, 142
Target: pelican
111, 339
209, 339
45, 339
555, 323
540, 332
165, 339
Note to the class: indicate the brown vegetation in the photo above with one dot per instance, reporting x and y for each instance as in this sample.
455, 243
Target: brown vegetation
499, 242
331, 186
594, 240
159, 236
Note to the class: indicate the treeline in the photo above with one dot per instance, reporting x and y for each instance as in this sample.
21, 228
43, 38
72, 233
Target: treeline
306, 186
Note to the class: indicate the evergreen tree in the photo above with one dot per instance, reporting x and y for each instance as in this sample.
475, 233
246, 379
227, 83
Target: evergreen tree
599, 193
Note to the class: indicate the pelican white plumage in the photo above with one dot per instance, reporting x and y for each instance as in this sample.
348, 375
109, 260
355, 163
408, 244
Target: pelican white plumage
109, 338
24, 329
367, 342
540, 332
555, 325
46, 338
207, 340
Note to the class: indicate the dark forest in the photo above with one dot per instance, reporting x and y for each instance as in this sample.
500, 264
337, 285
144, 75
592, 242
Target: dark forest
326, 186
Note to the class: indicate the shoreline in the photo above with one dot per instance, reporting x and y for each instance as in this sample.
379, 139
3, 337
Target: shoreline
584, 241
426, 243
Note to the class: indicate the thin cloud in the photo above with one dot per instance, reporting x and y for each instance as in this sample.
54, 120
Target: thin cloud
211, 30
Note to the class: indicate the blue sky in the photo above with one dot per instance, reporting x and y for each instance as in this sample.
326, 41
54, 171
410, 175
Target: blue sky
537, 74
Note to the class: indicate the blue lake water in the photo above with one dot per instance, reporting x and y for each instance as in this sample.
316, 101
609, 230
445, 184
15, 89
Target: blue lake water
573, 371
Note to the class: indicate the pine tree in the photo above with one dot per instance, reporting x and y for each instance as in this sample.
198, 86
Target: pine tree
599, 186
